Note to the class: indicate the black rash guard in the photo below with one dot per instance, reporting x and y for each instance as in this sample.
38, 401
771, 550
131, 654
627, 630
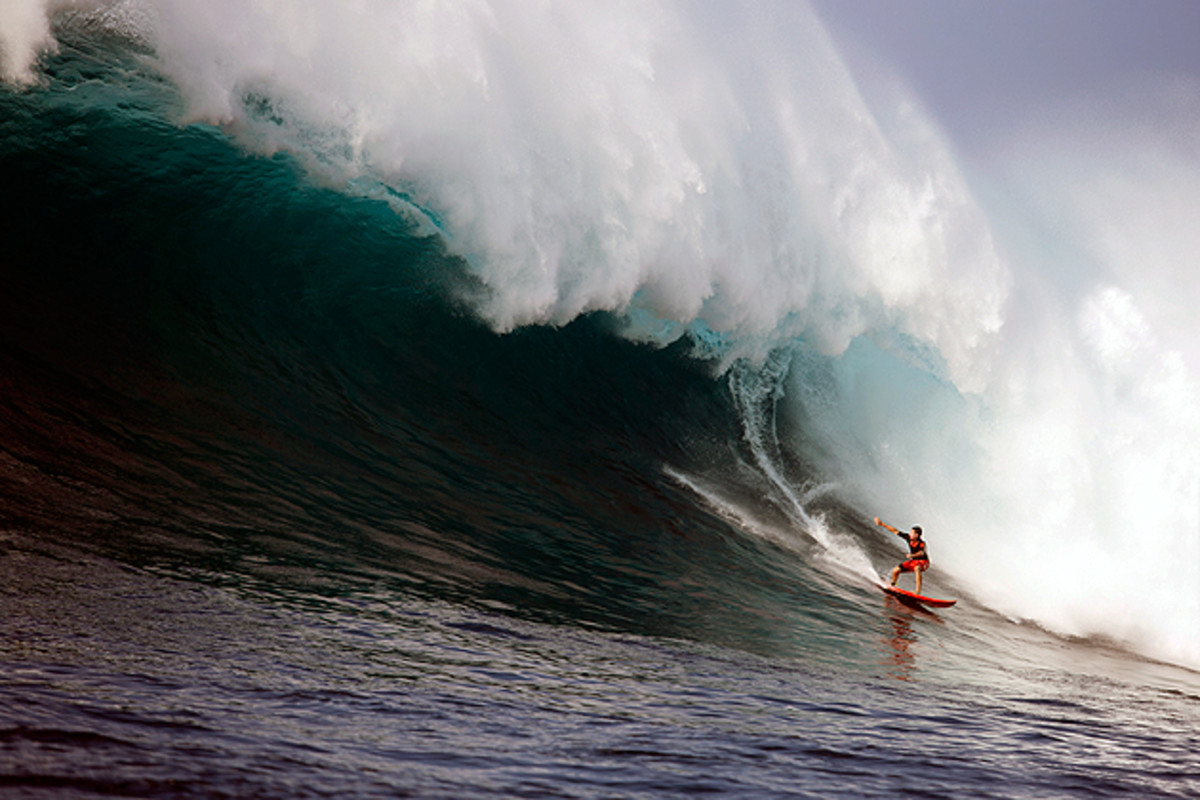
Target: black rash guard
915, 548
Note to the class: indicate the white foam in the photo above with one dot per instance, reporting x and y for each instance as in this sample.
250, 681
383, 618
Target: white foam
1067, 489
838, 554
24, 35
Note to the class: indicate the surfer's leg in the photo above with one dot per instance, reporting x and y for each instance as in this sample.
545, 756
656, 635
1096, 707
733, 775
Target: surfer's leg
895, 574
917, 571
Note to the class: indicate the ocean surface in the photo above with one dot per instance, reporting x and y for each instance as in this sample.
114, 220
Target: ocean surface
314, 483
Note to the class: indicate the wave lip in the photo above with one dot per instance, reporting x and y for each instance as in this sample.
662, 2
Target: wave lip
674, 160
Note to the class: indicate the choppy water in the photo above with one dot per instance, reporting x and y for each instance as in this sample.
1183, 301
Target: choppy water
281, 517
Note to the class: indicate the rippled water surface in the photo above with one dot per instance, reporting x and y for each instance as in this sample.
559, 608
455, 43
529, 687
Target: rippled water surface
130, 682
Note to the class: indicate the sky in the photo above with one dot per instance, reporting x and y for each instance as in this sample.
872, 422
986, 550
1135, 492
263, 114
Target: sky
980, 67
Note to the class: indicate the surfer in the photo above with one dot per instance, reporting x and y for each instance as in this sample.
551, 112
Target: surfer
918, 559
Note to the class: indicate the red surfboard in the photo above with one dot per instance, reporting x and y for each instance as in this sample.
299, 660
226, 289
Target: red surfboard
902, 594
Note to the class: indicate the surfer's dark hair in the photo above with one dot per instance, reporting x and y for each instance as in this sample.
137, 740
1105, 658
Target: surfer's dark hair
917, 528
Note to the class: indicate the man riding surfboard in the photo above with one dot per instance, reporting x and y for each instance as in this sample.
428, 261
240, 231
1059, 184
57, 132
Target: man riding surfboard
918, 557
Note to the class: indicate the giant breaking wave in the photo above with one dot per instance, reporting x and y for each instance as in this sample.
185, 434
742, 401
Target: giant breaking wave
1018, 373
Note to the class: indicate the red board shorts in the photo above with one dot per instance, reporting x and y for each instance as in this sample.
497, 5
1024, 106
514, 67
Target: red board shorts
911, 564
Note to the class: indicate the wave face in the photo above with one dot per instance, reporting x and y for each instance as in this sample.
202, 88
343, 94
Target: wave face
252, 357
411, 270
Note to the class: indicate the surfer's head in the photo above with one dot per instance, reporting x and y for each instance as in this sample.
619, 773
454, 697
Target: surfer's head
916, 532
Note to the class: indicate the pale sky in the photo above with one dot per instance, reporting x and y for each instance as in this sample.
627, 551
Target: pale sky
981, 64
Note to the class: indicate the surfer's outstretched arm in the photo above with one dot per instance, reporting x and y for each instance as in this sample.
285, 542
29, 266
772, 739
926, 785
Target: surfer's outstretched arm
883, 524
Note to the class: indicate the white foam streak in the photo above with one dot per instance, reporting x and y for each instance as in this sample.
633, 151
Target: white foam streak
756, 391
